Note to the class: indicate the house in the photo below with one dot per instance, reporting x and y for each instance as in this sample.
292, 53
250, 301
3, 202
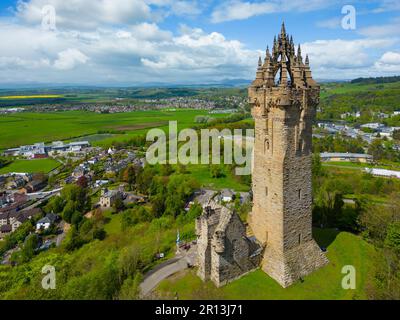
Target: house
16, 183
3, 218
99, 183
5, 230
3, 180
33, 186
23, 216
46, 222
372, 126
227, 195
16, 218
382, 115
108, 197
93, 161
79, 172
386, 132
348, 157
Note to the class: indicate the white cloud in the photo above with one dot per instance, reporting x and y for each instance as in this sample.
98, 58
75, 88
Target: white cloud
17, 63
389, 62
206, 52
343, 54
69, 59
383, 30
128, 46
131, 54
388, 5
150, 31
87, 14
240, 10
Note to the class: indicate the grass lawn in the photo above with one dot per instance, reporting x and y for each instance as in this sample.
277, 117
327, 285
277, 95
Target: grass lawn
31, 166
202, 174
343, 249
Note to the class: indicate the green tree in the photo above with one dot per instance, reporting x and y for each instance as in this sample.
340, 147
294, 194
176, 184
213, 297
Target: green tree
376, 149
56, 205
118, 205
30, 245
217, 171
393, 236
68, 211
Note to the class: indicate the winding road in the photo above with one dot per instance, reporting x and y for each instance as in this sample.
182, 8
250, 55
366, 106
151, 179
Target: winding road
167, 269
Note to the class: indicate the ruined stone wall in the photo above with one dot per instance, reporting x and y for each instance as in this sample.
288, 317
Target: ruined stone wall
224, 252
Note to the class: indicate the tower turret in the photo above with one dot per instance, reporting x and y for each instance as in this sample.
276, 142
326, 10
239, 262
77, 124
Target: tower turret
282, 192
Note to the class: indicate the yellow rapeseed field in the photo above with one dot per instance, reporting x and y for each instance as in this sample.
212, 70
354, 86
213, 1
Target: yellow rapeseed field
32, 97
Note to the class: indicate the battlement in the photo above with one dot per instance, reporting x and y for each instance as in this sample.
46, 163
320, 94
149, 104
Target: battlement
293, 71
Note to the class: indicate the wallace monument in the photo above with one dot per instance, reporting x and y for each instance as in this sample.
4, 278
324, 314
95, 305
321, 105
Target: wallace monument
284, 98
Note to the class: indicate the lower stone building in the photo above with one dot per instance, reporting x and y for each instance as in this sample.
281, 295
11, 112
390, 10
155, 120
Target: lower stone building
224, 252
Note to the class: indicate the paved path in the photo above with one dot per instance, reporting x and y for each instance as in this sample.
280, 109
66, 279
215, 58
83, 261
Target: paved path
166, 269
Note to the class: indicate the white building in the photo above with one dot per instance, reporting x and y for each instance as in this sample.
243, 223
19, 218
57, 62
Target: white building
384, 173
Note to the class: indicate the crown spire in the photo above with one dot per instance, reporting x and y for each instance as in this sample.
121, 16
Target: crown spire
267, 55
299, 57
259, 62
307, 60
283, 30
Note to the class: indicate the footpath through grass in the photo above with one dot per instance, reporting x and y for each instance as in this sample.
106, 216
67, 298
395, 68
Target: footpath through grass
343, 249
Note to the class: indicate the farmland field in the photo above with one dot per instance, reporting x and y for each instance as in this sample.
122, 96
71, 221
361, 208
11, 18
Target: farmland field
31, 166
28, 128
42, 96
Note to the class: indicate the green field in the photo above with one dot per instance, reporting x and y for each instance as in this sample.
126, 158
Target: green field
31, 166
28, 128
343, 249
30, 97
201, 173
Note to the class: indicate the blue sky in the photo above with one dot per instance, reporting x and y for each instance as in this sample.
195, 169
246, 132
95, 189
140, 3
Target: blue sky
128, 42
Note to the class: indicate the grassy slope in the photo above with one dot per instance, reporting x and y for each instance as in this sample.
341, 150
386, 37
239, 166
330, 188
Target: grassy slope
346, 249
83, 269
31, 166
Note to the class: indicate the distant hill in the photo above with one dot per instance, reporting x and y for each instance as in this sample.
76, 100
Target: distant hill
376, 80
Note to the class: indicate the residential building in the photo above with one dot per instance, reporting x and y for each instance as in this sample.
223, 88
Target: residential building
227, 195
108, 197
46, 222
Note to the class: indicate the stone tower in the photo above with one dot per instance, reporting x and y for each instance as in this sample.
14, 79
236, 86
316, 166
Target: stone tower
284, 97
